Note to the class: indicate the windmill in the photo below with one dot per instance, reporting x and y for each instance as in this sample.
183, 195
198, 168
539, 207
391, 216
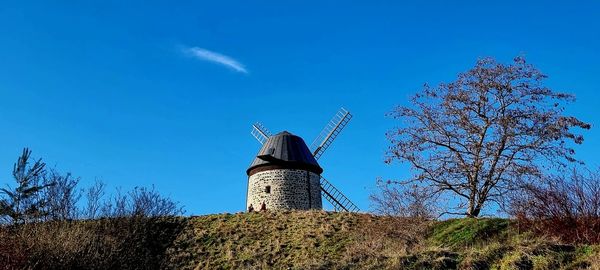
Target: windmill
285, 173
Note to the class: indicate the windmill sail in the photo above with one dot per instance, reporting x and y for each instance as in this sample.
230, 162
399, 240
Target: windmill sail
334, 196
338, 200
330, 132
260, 132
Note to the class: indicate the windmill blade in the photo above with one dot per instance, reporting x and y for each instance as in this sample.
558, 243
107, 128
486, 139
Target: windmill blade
334, 196
330, 132
260, 132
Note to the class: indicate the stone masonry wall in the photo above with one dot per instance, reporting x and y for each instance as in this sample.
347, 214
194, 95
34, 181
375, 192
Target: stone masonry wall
289, 189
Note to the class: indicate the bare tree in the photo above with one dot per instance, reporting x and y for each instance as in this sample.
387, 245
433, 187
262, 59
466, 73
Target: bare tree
149, 203
61, 196
139, 202
94, 195
412, 200
115, 205
477, 136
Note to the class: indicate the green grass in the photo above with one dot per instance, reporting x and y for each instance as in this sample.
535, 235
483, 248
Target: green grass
455, 233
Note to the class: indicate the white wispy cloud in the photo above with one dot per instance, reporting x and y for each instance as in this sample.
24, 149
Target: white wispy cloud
215, 57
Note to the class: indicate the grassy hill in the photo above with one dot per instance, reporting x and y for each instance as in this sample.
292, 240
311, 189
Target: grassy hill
294, 240
321, 240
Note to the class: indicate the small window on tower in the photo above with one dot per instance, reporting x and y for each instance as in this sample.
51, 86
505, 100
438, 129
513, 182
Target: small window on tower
268, 189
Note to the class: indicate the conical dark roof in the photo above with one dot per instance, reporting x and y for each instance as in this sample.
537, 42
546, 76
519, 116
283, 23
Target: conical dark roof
285, 150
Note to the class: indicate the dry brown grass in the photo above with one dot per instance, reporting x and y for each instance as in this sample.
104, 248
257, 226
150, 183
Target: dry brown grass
386, 240
12, 252
295, 239
127, 243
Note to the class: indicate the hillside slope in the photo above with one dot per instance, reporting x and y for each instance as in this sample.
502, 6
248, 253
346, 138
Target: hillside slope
285, 240
322, 240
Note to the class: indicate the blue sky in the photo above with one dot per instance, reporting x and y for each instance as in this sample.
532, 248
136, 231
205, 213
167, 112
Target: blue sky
115, 91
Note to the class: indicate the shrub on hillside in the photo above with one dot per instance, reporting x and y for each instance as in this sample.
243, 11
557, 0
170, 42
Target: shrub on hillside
60, 196
48, 195
139, 202
566, 207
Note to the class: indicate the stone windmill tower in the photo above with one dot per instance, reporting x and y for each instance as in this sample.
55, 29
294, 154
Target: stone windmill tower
285, 173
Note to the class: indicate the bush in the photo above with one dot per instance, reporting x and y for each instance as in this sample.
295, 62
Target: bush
567, 208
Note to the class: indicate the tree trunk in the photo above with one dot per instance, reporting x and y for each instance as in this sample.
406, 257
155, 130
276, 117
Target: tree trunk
473, 211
